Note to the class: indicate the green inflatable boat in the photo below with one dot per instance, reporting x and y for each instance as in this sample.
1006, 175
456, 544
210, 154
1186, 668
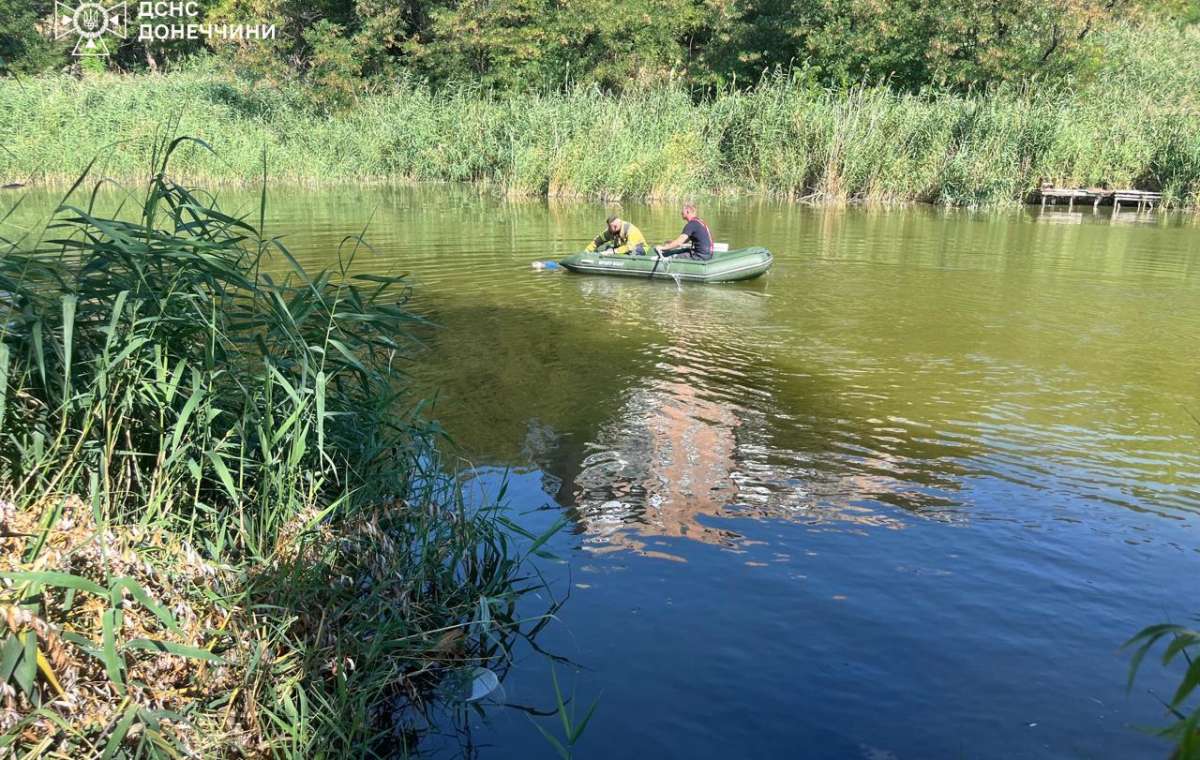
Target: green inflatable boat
724, 266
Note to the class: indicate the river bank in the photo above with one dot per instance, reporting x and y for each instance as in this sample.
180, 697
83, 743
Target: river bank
227, 528
1133, 127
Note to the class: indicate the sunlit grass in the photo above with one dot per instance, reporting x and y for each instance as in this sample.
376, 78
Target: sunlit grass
1136, 123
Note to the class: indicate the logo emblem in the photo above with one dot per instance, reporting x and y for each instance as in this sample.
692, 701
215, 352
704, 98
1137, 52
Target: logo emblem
89, 22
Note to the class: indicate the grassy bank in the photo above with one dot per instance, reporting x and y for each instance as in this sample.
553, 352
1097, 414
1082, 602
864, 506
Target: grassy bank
222, 533
1136, 125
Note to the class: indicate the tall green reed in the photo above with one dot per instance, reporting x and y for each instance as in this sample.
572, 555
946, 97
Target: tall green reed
156, 357
1180, 644
256, 500
1134, 125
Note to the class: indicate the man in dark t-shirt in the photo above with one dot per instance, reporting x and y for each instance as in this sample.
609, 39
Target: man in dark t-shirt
695, 232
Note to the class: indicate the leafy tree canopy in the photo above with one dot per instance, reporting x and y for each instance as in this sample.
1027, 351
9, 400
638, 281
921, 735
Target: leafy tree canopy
343, 45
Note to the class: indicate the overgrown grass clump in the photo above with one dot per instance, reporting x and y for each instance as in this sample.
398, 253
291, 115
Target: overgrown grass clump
222, 535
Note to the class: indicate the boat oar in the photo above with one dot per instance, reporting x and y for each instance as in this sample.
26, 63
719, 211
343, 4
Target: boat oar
658, 257
547, 264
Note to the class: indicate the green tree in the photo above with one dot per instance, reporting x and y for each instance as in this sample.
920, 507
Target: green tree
514, 44
328, 43
136, 54
333, 69
979, 44
1183, 12
615, 42
25, 44
914, 43
382, 27
501, 44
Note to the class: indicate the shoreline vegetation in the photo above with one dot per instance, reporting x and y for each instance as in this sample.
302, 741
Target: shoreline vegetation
1133, 124
227, 530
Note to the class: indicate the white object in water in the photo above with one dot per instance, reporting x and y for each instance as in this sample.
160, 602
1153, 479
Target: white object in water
483, 683
720, 247
545, 265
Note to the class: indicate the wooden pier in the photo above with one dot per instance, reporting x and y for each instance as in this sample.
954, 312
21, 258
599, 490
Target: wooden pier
1144, 199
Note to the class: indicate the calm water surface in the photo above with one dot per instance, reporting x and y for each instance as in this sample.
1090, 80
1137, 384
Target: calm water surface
902, 498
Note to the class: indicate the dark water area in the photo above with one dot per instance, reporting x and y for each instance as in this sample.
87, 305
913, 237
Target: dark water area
904, 497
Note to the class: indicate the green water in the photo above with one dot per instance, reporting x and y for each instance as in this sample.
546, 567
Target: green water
904, 496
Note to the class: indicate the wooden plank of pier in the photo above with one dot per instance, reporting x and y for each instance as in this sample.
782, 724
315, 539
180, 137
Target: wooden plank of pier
1140, 197
1143, 198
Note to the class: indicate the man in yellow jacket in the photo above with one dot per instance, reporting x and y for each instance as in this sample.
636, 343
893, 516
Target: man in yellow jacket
619, 237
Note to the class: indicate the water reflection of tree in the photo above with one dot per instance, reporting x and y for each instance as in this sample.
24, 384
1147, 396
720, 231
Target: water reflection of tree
671, 460
649, 409
691, 442
674, 457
